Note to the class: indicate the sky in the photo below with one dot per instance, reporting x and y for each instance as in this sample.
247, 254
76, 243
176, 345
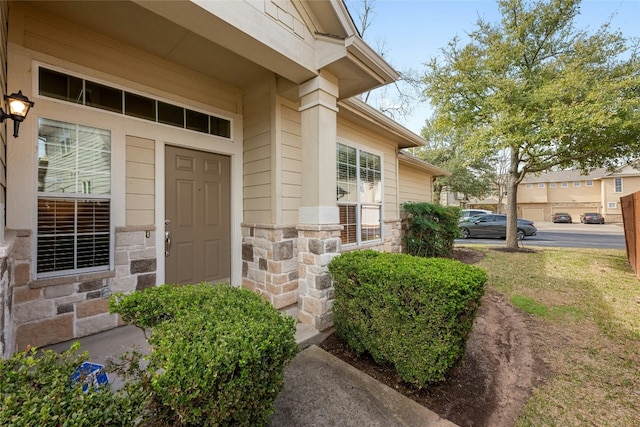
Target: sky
413, 31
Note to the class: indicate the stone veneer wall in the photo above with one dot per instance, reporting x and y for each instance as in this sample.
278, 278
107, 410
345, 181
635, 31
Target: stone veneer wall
317, 246
6, 292
392, 232
53, 310
270, 262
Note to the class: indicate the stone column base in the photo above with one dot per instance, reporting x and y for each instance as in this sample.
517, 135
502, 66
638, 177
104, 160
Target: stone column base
317, 246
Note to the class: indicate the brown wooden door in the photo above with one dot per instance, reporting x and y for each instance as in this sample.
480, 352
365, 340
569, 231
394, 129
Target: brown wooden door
197, 210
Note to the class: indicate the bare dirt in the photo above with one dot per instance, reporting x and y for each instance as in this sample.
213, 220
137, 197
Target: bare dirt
499, 371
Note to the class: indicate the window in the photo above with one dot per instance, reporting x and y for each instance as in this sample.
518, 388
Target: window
576, 183
612, 205
617, 185
85, 92
588, 183
74, 199
359, 194
541, 185
552, 185
528, 186
564, 184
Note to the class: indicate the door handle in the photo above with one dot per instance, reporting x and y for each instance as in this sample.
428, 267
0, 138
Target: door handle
167, 243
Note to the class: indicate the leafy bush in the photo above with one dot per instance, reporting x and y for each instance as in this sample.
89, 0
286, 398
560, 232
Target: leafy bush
37, 390
218, 353
413, 313
430, 229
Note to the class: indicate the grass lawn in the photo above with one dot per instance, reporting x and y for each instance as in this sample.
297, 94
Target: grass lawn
589, 304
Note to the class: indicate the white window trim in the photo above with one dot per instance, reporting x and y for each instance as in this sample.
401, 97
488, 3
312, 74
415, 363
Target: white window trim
612, 205
576, 183
528, 186
541, 185
209, 111
76, 196
358, 204
564, 184
621, 185
589, 183
552, 185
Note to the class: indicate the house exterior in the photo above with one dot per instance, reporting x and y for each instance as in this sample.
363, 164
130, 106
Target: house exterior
571, 191
188, 141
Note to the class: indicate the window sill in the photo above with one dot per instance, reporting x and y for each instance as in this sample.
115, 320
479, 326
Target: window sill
72, 278
369, 245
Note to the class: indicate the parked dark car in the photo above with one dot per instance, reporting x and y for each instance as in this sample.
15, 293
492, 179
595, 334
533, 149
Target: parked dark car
494, 225
562, 217
591, 218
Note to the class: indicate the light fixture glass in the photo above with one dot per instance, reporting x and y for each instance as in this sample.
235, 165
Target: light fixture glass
19, 106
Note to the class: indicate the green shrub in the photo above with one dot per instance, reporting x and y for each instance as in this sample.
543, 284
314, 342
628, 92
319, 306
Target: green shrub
218, 353
413, 313
430, 229
37, 390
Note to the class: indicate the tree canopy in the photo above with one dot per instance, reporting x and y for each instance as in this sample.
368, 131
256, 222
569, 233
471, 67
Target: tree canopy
551, 95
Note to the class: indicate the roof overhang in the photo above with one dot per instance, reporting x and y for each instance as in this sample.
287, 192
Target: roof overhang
421, 164
357, 111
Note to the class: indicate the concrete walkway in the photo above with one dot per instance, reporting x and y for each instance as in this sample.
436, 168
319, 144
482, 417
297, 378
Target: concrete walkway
320, 390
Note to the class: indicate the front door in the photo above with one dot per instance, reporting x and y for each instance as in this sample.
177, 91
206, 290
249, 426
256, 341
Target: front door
197, 216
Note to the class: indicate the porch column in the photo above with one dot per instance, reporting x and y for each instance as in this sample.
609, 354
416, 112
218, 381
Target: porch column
319, 221
318, 108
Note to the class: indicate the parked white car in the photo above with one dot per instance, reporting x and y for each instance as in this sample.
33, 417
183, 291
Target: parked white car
465, 214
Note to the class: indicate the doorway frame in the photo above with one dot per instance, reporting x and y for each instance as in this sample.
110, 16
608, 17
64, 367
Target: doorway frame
236, 203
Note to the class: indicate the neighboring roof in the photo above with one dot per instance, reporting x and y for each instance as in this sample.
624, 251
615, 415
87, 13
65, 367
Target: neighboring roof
418, 162
359, 112
566, 176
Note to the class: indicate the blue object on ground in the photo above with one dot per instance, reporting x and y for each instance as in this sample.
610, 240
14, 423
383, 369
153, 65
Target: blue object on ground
90, 374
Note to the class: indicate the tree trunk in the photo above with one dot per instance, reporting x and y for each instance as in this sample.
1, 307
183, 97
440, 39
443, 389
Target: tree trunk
512, 202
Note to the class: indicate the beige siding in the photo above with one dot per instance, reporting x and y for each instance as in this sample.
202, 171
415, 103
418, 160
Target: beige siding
291, 162
66, 41
257, 155
630, 184
140, 181
353, 135
582, 194
4, 6
533, 194
415, 184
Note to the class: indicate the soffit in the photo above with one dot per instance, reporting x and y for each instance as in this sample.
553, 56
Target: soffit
209, 42
136, 26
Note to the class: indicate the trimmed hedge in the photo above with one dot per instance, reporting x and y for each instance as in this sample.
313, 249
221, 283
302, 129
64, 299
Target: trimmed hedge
37, 390
218, 353
413, 313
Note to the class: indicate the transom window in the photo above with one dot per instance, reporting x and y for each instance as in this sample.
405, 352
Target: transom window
74, 198
576, 183
564, 184
359, 194
73, 89
552, 185
589, 183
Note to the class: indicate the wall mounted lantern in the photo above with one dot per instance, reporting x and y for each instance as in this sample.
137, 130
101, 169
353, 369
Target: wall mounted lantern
19, 106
